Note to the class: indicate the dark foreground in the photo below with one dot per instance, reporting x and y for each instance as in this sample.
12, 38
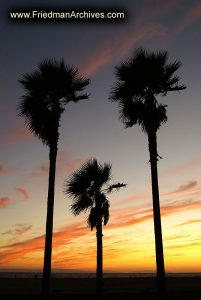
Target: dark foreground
114, 288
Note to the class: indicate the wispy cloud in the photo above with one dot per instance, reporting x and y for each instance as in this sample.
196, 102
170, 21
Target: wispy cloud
14, 135
170, 238
63, 165
8, 232
119, 45
23, 191
145, 25
68, 237
4, 201
190, 222
186, 187
192, 15
41, 170
190, 245
22, 228
133, 198
185, 167
124, 219
63, 237
5, 170
19, 230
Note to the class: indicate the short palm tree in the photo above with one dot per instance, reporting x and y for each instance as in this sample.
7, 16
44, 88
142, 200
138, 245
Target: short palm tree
88, 187
139, 80
47, 90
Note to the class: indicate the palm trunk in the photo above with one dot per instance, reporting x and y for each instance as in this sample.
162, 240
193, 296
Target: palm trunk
99, 266
157, 217
49, 224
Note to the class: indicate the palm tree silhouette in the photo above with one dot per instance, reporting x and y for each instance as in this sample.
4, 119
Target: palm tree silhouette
47, 90
144, 76
88, 187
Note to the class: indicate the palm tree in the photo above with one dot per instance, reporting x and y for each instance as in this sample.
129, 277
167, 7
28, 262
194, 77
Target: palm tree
139, 80
88, 187
47, 90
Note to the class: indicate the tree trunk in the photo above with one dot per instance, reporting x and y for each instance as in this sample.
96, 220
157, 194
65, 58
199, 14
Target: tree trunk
157, 217
99, 266
49, 224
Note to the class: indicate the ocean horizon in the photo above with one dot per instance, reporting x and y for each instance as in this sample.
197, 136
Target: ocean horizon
33, 274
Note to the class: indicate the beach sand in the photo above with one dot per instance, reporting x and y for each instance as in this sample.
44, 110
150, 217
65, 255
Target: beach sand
114, 288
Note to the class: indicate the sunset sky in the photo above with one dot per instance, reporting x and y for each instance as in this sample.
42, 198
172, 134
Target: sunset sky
91, 128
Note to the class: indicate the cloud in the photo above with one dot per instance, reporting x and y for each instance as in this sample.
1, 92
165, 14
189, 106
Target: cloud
183, 246
133, 198
73, 164
19, 230
146, 25
22, 229
67, 240
119, 45
23, 191
190, 222
7, 232
4, 201
193, 15
184, 168
15, 135
41, 170
124, 219
186, 187
5, 171
65, 236
175, 237
63, 165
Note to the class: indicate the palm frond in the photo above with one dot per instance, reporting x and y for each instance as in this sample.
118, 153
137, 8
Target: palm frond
47, 89
116, 186
105, 212
145, 71
92, 218
146, 75
81, 204
85, 188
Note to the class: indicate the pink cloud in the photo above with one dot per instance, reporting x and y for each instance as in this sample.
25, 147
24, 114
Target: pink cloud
185, 167
15, 135
73, 164
64, 236
124, 218
119, 46
5, 171
4, 201
133, 198
193, 15
23, 191
63, 165
41, 170
67, 235
145, 25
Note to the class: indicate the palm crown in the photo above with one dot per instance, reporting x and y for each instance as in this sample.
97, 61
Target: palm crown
48, 89
87, 187
144, 76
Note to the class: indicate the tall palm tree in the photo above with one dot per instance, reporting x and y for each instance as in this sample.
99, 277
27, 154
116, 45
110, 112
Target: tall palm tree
88, 187
139, 80
47, 90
